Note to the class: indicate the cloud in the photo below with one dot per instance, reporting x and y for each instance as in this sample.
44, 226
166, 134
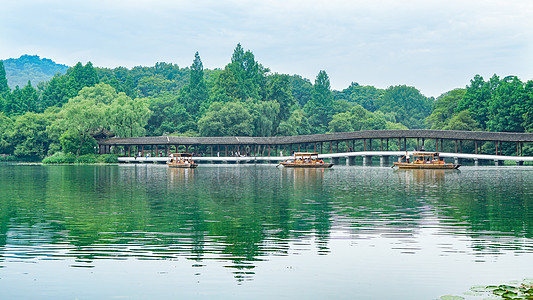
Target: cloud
432, 45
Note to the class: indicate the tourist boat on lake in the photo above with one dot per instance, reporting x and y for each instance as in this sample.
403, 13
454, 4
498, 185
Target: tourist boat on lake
423, 160
305, 160
181, 160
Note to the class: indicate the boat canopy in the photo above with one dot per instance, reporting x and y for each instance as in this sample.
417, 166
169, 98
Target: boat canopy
305, 154
425, 154
181, 155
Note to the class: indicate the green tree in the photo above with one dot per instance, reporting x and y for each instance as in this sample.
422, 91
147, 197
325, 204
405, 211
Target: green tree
128, 117
367, 96
168, 116
195, 93
28, 135
74, 142
6, 126
341, 122
445, 107
226, 119
301, 89
4, 88
264, 115
477, 99
508, 106
462, 121
320, 108
21, 101
297, 124
279, 90
61, 88
249, 74
409, 105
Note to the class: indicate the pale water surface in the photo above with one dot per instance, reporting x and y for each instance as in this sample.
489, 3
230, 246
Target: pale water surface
259, 232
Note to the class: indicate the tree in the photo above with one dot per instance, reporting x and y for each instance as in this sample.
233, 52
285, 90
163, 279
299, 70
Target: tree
128, 117
264, 115
320, 108
168, 116
4, 88
6, 125
445, 107
21, 101
278, 89
73, 142
28, 135
508, 106
341, 122
297, 124
409, 105
367, 96
301, 89
226, 119
195, 93
61, 88
462, 121
249, 74
477, 98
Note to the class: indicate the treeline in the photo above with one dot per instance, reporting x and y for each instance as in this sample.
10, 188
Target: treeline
243, 99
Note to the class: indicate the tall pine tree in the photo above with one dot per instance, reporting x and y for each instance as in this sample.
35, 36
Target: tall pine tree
4, 88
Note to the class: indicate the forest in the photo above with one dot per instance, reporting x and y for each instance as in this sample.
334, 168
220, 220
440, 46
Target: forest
244, 98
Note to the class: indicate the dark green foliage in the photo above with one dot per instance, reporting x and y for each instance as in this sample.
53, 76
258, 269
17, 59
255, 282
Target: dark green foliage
60, 158
86, 159
28, 136
21, 101
195, 93
226, 119
320, 107
279, 90
367, 96
168, 116
409, 105
444, 108
30, 68
107, 158
61, 88
4, 88
301, 89
77, 143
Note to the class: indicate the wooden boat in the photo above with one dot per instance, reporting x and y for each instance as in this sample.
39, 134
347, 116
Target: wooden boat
423, 160
181, 160
305, 160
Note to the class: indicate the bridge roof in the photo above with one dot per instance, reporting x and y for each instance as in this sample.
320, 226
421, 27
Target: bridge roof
327, 137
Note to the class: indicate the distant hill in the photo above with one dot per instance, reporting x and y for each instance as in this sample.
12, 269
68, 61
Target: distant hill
32, 68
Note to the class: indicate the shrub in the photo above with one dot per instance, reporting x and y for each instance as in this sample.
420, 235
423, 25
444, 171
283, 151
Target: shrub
86, 159
107, 158
60, 158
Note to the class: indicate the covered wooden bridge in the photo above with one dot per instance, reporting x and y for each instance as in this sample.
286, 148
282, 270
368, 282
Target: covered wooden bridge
371, 140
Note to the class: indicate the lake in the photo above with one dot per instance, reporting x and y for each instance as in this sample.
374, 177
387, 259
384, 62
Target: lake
261, 232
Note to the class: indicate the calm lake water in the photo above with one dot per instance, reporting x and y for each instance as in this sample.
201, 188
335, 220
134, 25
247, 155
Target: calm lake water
259, 232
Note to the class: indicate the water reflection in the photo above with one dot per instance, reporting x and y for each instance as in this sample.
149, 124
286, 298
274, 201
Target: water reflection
240, 215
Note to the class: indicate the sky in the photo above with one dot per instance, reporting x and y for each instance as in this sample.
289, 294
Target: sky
433, 45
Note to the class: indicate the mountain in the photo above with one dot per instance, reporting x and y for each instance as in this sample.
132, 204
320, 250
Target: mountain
30, 68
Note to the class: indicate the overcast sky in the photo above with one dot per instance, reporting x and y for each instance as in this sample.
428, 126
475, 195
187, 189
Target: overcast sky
435, 46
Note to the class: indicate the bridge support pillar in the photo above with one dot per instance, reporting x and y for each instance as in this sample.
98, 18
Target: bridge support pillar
457, 160
335, 160
383, 161
476, 162
367, 160
519, 163
350, 160
496, 162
